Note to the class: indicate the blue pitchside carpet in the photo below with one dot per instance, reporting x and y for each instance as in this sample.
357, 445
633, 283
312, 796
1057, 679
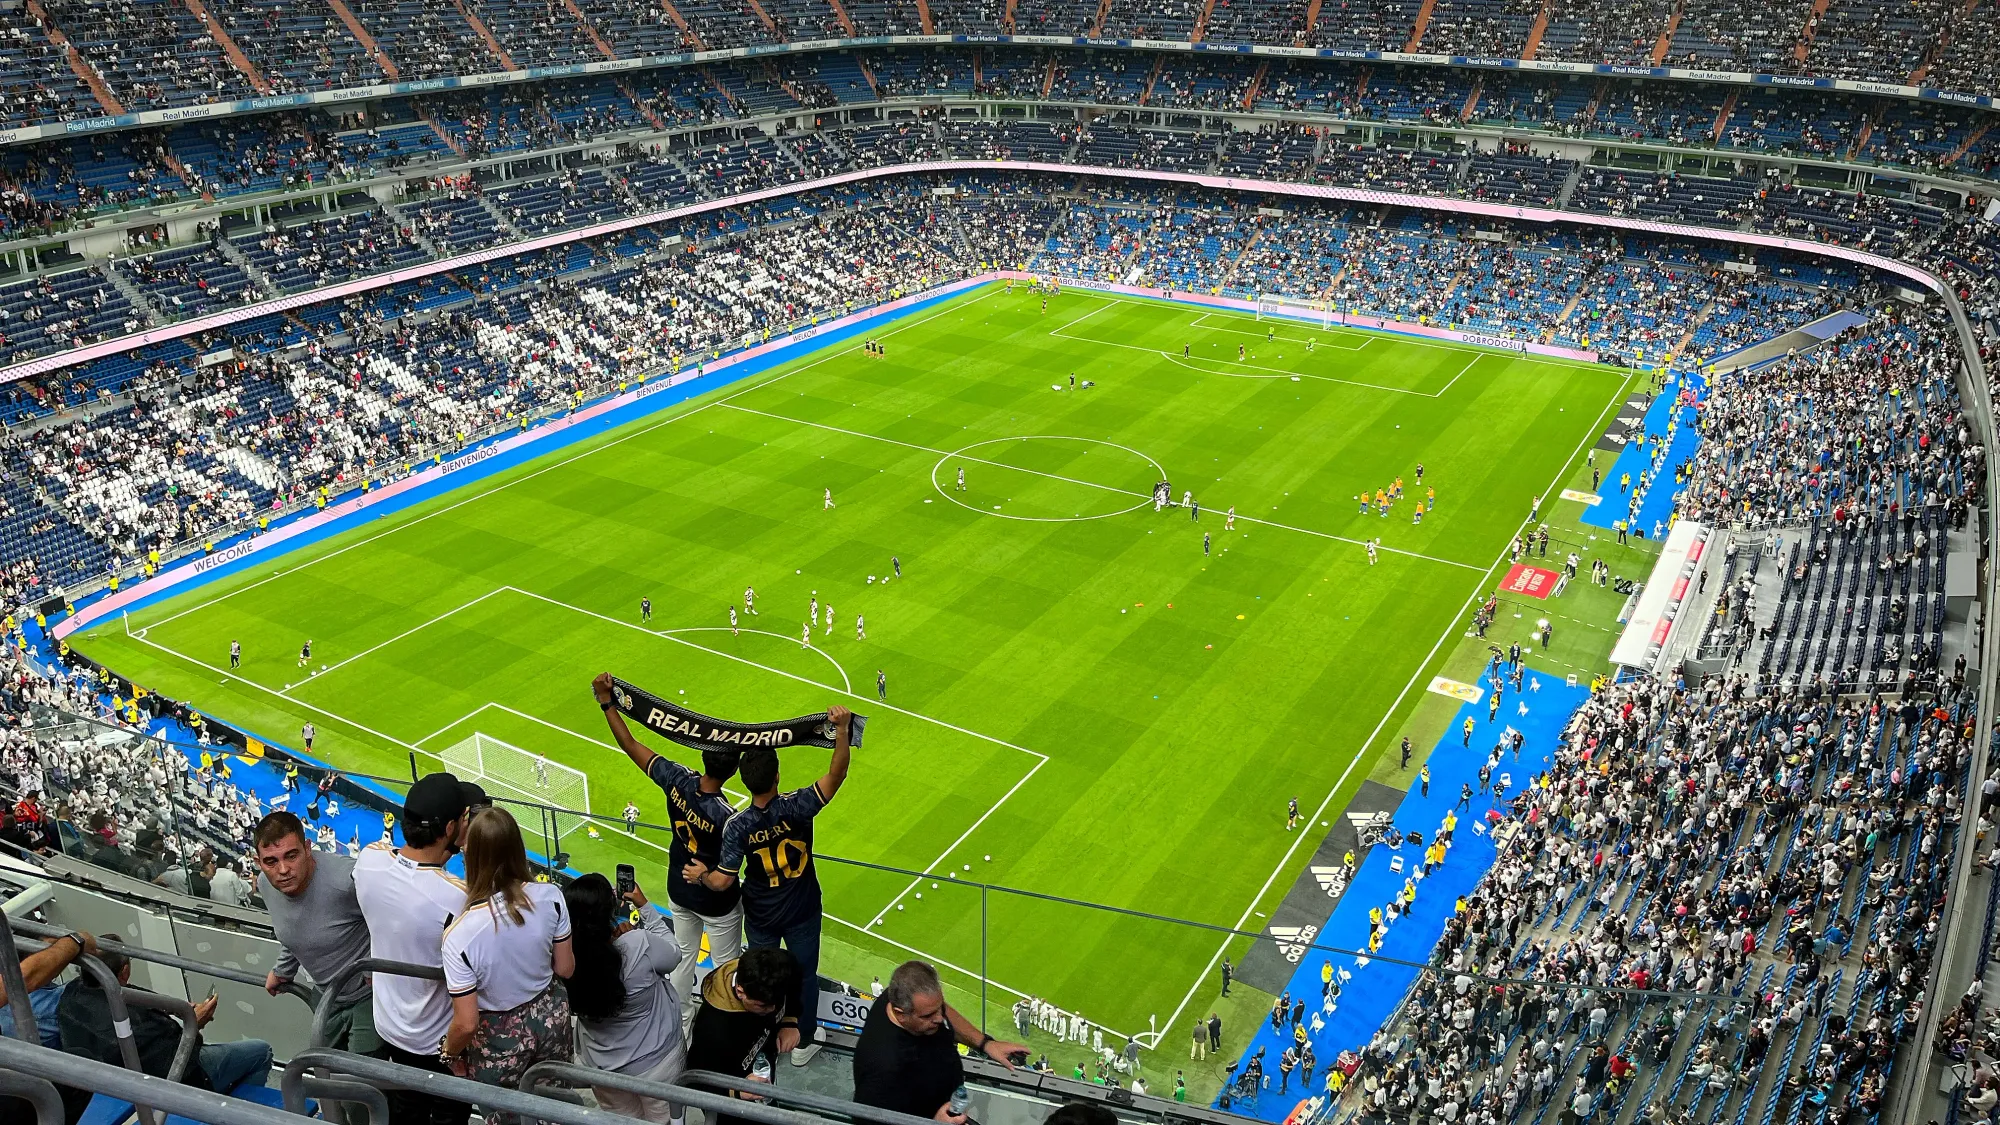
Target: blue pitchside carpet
1379, 984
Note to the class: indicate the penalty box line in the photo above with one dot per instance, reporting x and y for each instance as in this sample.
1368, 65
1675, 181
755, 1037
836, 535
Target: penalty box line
417, 747
1091, 484
1384, 334
1337, 332
1276, 372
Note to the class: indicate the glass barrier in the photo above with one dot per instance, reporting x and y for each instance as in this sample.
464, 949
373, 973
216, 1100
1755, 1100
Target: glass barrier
1093, 992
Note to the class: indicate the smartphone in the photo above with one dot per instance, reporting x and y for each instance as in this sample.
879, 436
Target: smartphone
628, 879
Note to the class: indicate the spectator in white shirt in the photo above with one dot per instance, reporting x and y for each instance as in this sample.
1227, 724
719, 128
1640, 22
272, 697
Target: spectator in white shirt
631, 1018
228, 887
501, 960
408, 899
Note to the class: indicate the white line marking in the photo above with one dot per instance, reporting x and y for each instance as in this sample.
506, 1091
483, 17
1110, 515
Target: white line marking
482, 493
460, 721
1392, 334
1361, 751
1092, 484
1333, 330
963, 836
1159, 470
1277, 372
1461, 374
847, 685
872, 702
1194, 363
321, 711
1108, 302
330, 669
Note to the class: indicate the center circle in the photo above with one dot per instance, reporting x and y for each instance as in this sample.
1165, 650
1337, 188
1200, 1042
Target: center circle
1047, 478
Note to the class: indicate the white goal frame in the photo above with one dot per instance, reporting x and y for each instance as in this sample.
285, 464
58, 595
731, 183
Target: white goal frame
1270, 306
507, 771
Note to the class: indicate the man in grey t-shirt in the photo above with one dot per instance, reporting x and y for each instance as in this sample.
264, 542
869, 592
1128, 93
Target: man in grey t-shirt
319, 925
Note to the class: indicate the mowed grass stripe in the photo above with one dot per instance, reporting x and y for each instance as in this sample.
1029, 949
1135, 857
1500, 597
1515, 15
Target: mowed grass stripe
1169, 760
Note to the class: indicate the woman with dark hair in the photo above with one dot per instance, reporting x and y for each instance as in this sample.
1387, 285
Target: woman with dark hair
631, 1019
501, 960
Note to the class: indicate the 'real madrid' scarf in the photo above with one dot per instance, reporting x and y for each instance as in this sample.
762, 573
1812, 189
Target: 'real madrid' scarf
702, 732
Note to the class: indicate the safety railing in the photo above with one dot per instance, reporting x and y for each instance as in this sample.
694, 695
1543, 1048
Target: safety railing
946, 915
27, 1068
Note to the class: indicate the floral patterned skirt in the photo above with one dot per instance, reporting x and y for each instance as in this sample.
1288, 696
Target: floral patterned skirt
508, 1043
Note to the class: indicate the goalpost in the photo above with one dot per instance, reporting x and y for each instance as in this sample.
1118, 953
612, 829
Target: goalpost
506, 770
1291, 308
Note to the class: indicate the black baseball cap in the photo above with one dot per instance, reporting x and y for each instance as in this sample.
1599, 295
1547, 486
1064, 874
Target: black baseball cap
440, 798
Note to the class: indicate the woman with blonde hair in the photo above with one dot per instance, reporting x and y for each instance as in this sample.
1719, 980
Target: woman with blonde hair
501, 960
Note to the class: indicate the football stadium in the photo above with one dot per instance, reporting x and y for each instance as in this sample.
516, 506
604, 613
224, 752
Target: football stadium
598, 560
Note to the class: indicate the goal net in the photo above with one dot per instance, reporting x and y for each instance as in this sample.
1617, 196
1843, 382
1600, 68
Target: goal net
1291, 308
507, 771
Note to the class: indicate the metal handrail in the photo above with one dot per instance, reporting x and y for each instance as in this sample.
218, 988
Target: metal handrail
123, 998
806, 1098
17, 988
121, 1016
305, 992
179, 1009
711, 1104
389, 1075
329, 990
133, 1086
40, 1093
329, 1091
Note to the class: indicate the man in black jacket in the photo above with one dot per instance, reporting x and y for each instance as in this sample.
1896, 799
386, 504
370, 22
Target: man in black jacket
84, 1018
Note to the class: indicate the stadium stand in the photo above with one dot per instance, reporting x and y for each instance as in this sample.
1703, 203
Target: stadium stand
297, 47
1796, 891
1778, 842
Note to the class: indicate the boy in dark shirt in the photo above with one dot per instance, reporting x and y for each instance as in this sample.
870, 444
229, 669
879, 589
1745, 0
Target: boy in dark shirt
767, 845
744, 1009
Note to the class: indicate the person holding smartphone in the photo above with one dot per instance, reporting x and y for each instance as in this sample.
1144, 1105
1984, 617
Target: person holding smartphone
631, 1020
84, 1018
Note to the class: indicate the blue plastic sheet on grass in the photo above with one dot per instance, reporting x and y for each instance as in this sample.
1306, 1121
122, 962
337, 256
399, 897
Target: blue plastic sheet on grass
1658, 506
1378, 986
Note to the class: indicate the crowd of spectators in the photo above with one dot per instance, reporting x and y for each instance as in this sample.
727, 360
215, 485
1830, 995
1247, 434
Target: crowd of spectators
1782, 853
45, 184
1863, 427
152, 53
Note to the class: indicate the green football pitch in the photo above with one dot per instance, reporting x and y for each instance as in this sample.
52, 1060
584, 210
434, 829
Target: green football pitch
1082, 700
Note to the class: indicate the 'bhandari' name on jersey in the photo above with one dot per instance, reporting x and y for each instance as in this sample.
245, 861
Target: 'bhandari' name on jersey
686, 811
669, 725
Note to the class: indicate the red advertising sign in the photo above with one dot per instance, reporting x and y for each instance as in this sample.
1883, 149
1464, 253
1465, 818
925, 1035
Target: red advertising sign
1532, 581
